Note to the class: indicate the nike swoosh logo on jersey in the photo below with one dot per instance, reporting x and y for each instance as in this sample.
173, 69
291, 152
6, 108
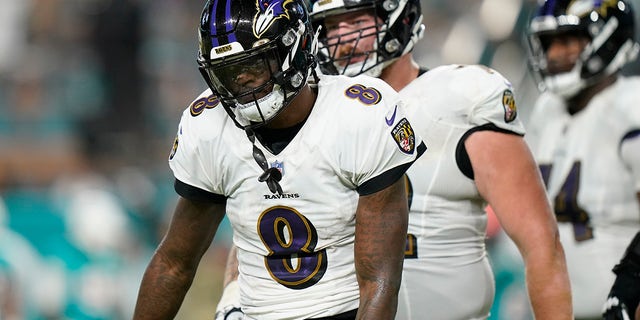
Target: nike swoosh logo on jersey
393, 117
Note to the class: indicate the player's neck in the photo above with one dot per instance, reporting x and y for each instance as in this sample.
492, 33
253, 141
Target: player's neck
297, 111
582, 99
401, 72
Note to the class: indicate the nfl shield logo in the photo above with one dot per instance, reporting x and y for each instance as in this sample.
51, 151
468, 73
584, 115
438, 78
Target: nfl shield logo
278, 165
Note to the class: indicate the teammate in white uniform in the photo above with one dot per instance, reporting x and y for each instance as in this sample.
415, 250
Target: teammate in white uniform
476, 155
314, 195
585, 134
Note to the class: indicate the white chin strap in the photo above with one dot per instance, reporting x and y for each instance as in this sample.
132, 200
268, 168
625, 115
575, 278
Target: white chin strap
269, 106
565, 85
374, 71
568, 84
355, 69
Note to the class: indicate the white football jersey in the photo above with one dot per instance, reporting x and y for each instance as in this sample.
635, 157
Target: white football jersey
295, 250
591, 165
446, 270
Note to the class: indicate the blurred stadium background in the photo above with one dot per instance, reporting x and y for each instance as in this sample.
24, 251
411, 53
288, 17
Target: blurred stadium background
91, 92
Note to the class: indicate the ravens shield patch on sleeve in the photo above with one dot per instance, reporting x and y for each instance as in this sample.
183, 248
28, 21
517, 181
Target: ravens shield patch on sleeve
509, 104
404, 136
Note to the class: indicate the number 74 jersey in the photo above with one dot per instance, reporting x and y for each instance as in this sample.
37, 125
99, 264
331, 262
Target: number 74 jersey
590, 162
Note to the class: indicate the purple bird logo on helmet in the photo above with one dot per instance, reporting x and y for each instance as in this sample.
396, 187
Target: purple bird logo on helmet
268, 12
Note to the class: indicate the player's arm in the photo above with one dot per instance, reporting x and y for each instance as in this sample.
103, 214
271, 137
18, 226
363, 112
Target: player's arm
381, 227
173, 266
229, 304
231, 269
507, 177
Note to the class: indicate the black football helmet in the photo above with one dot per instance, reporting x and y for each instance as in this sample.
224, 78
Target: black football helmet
399, 29
244, 40
609, 24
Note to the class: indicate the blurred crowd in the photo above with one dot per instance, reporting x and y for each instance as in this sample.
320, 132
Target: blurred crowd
90, 96
91, 92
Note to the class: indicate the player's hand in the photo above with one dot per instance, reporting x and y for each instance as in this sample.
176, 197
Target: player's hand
229, 305
614, 309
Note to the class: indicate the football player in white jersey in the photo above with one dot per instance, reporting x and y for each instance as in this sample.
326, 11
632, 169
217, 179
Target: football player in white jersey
477, 155
584, 131
309, 175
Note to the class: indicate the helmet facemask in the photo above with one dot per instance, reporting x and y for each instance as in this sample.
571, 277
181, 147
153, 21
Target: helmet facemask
608, 26
397, 27
255, 84
565, 83
248, 86
344, 54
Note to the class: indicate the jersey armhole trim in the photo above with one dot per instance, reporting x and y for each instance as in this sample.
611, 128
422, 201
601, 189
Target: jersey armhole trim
196, 194
388, 177
629, 135
462, 157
